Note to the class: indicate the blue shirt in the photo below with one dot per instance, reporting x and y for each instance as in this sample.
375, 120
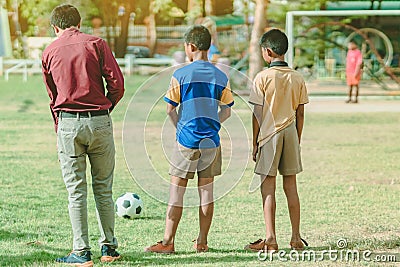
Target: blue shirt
199, 89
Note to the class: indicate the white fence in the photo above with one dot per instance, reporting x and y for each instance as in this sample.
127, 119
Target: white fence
128, 65
138, 33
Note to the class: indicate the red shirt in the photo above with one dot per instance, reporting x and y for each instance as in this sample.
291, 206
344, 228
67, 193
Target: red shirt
73, 68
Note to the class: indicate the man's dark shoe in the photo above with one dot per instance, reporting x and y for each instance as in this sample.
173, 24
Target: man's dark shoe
81, 259
109, 254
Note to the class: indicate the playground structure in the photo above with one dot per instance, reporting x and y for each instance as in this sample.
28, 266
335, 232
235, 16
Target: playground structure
372, 56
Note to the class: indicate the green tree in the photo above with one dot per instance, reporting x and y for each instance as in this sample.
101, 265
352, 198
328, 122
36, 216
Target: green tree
37, 13
159, 8
260, 23
121, 41
274, 13
195, 10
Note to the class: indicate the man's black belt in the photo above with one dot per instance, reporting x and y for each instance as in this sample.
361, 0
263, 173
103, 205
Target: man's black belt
82, 114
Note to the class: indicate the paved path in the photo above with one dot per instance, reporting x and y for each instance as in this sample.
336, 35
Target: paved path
330, 96
337, 87
366, 104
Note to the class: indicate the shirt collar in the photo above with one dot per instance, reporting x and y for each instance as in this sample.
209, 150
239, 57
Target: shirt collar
70, 31
278, 64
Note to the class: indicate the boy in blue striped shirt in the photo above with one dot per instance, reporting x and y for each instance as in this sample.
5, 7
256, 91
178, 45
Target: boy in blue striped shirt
203, 95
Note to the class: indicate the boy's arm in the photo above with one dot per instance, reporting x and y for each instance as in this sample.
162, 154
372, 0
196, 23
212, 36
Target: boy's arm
257, 115
299, 120
358, 65
226, 102
171, 112
224, 114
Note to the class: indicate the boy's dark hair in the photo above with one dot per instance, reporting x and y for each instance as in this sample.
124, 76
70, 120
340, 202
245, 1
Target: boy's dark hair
65, 16
275, 40
199, 36
353, 41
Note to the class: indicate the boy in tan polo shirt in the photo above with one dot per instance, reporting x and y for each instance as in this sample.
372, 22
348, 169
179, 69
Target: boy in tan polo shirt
278, 95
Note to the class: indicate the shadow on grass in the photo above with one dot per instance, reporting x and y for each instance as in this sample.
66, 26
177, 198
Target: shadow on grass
387, 243
45, 255
26, 105
133, 258
186, 258
6, 236
150, 218
39, 257
37, 252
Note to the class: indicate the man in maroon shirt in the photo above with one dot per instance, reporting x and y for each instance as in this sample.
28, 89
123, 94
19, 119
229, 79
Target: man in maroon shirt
74, 66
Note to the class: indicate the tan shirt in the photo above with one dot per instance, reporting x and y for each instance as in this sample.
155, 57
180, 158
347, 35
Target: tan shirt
280, 90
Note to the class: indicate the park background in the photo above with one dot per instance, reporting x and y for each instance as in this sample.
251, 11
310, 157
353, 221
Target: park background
349, 188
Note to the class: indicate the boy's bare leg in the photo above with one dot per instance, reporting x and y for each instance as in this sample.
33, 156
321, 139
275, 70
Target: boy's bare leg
350, 93
206, 209
357, 88
290, 188
268, 187
175, 206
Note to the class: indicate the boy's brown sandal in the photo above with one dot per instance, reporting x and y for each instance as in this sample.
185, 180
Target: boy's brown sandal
298, 245
159, 247
261, 244
270, 247
199, 247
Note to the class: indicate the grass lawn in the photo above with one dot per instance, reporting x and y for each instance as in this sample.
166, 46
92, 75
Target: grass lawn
349, 189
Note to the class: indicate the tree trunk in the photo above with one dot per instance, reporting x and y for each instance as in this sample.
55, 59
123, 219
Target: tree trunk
121, 41
195, 10
203, 8
256, 62
209, 7
192, 4
107, 12
151, 30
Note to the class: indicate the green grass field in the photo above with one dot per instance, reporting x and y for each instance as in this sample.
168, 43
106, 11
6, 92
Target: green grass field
349, 189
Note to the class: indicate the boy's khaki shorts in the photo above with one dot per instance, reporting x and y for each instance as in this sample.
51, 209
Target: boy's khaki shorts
281, 152
186, 161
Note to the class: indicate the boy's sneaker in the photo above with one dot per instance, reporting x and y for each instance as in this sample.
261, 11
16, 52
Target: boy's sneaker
81, 259
109, 254
159, 247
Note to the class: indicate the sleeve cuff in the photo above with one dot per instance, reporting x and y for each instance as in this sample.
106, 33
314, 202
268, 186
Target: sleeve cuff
227, 105
256, 103
169, 101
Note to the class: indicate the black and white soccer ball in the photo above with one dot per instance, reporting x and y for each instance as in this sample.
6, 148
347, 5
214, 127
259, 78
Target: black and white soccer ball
129, 206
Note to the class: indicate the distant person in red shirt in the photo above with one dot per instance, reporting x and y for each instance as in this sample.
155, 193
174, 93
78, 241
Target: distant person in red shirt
73, 67
353, 69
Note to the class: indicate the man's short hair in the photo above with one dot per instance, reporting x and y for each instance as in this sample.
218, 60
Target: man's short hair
275, 40
65, 16
199, 36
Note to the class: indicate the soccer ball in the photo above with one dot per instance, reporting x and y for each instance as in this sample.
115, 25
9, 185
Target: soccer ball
129, 206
